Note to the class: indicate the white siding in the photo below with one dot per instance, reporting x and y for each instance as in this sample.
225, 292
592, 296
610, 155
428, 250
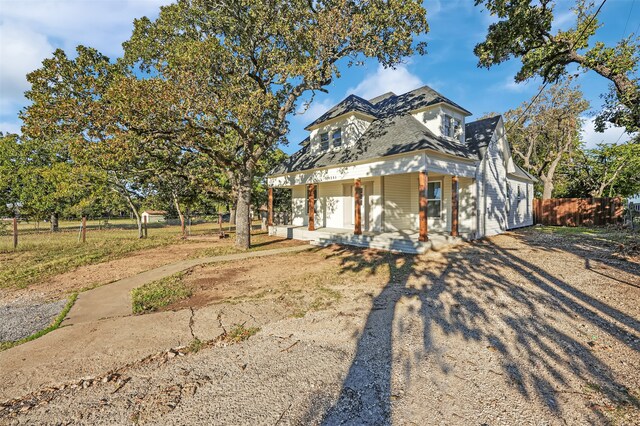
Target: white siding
298, 202
330, 205
400, 204
466, 207
519, 210
392, 165
495, 188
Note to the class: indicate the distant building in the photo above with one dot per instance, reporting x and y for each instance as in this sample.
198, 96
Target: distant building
153, 216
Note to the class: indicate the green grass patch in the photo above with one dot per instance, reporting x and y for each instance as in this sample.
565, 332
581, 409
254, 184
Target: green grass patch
239, 333
56, 324
158, 294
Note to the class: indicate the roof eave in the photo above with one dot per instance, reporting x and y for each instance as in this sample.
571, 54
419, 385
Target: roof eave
459, 109
340, 117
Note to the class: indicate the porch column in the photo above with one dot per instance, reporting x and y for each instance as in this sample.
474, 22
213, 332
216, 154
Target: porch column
357, 202
270, 208
312, 208
454, 206
423, 184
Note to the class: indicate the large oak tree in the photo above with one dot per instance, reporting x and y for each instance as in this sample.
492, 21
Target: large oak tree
221, 77
524, 31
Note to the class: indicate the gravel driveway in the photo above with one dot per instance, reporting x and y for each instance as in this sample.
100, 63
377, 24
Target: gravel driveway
22, 318
523, 328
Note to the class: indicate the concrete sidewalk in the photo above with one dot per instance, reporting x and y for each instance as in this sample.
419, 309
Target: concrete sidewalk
100, 334
114, 300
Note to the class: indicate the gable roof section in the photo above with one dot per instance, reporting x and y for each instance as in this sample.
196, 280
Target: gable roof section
478, 134
393, 131
416, 99
388, 136
351, 103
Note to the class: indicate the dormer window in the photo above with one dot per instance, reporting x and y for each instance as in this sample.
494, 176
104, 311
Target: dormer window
457, 129
336, 136
451, 127
446, 125
324, 141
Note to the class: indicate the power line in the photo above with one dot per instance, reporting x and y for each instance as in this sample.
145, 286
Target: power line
575, 42
624, 32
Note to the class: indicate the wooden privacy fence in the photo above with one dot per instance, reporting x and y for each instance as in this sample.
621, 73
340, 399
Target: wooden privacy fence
577, 211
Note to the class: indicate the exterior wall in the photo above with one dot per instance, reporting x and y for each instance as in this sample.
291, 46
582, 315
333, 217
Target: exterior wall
392, 165
298, 202
153, 218
352, 128
400, 202
432, 119
519, 210
467, 207
495, 188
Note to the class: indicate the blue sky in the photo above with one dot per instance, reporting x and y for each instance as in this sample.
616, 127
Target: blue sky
31, 29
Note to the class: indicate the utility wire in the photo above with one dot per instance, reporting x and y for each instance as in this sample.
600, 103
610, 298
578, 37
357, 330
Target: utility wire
575, 42
624, 32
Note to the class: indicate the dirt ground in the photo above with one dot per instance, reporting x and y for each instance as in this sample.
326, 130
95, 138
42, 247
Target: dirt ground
522, 328
95, 275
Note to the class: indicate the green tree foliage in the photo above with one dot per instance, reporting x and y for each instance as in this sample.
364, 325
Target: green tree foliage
606, 171
524, 31
546, 131
222, 77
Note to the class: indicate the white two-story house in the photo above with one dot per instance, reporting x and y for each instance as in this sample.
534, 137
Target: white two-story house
399, 171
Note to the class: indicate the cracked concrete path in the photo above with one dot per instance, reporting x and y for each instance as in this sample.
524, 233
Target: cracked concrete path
100, 334
114, 300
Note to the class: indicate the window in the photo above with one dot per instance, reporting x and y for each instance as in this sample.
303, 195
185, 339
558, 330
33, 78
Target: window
324, 141
446, 125
337, 138
434, 199
519, 193
457, 129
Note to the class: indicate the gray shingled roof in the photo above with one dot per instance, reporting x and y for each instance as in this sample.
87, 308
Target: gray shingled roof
351, 103
395, 131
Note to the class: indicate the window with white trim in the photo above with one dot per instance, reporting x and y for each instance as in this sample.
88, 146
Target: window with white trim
446, 125
336, 138
434, 199
324, 141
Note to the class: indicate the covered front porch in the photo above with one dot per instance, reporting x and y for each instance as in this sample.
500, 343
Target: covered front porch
396, 241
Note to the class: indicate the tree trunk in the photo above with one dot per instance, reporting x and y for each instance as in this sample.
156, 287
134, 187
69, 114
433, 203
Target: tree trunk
243, 221
54, 222
232, 212
135, 212
547, 191
180, 215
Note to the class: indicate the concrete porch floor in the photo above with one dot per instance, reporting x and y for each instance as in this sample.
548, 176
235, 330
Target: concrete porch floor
404, 241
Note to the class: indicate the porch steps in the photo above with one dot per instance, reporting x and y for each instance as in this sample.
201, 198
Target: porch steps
381, 242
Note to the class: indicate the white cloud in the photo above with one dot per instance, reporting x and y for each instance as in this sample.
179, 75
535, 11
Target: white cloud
398, 80
609, 136
31, 30
9, 127
21, 51
103, 24
512, 86
315, 110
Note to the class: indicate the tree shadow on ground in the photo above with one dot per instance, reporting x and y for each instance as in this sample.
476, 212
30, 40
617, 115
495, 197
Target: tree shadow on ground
490, 295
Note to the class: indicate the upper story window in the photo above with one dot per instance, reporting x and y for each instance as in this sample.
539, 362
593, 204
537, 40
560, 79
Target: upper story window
452, 127
324, 141
446, 125
336, 136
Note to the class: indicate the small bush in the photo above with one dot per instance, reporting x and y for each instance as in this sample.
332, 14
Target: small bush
158, 294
